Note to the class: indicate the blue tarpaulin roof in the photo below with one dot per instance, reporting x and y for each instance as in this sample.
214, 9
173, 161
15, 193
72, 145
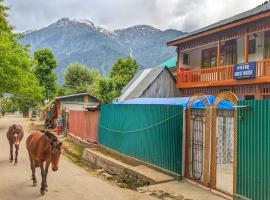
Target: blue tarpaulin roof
182, 101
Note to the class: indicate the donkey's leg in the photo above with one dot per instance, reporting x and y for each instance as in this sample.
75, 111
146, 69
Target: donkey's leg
33, 168
16, 153
46, 173
11, 152
42, 189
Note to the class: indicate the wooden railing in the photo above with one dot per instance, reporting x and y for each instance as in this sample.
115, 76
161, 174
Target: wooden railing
217, 74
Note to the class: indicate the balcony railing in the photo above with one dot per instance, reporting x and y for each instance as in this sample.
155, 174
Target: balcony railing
217, 75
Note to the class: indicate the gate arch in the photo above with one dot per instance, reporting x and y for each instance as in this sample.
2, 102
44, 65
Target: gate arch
229, 96
206, 140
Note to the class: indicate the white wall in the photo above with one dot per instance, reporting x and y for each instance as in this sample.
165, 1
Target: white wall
195, 58
73, 106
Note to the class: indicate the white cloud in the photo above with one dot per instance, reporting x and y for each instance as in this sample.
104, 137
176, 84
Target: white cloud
185, 15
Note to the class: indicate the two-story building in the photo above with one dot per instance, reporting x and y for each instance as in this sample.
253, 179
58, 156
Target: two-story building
230, 55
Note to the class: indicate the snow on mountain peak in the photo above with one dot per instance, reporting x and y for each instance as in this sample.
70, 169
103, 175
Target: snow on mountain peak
84, 21
127, 33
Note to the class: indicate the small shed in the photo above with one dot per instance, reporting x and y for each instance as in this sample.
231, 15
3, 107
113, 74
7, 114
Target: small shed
156, 82
80, 113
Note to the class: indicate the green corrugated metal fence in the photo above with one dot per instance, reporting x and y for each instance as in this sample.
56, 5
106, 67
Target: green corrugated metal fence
253, 153
152, 133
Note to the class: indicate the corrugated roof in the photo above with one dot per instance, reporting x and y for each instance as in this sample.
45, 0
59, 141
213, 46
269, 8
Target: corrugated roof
72, 95
150, 75
76, 95
259, 9
169, 63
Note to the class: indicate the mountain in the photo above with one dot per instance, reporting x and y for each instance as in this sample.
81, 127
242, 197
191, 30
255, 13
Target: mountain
80, 40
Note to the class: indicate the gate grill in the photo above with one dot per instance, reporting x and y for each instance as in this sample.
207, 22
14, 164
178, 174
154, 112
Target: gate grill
197, 143
225, 136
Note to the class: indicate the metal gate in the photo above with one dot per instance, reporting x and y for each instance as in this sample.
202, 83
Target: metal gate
225, 126
196, 155
224, 150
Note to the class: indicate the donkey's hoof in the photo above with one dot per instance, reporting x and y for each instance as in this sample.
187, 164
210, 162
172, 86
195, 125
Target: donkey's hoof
16, 164
42, 192
10, 160
35, 184
46, 189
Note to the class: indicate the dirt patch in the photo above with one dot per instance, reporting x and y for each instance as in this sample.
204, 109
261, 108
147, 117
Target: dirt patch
130, 181
35, 126
161, 194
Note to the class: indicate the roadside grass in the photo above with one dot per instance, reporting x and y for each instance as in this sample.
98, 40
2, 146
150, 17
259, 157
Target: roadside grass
74, 152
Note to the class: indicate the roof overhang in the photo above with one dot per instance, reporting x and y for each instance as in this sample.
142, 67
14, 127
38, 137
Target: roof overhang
218, 29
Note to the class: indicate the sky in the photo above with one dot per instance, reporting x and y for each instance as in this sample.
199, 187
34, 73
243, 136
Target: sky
184, 15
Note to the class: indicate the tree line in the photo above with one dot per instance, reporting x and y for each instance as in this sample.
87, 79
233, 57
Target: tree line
80, 78
27, 81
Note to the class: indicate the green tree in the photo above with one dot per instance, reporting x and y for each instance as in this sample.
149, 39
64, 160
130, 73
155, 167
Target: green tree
16, 77
31, 94
5, 28
44, 71
8, 104
14, 57
106, 90
122, 71
79, 78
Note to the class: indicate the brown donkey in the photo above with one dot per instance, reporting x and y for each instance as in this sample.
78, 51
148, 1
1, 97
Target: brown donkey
43, 148
14, 136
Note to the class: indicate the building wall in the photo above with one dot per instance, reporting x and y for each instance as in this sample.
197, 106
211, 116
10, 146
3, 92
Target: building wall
75, 106
73, 99
83, 124
196, 54
76, 103
163, 86
195, 58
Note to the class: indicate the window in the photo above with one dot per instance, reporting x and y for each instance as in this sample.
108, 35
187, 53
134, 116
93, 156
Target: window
267, 45
209, 57
252, 46
228, 53
186, 59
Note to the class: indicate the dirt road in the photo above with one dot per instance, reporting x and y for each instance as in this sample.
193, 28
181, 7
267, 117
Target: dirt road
68, 183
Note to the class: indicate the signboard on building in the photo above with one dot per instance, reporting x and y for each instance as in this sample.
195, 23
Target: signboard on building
245, 70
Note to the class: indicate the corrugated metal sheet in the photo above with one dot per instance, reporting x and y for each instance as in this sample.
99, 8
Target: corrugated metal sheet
83, 124
147, 81
253, 150
152, 133
162, 86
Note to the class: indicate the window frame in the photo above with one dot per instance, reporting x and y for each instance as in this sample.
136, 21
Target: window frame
252, 50
188, 59
210, 56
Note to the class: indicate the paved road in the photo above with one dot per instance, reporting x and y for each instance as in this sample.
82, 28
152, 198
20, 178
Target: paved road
68, 183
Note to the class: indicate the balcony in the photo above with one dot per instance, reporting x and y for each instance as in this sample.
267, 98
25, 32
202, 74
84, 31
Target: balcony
221, 76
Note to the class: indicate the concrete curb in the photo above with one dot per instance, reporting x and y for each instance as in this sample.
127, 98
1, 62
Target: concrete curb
81, 142
98, 160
